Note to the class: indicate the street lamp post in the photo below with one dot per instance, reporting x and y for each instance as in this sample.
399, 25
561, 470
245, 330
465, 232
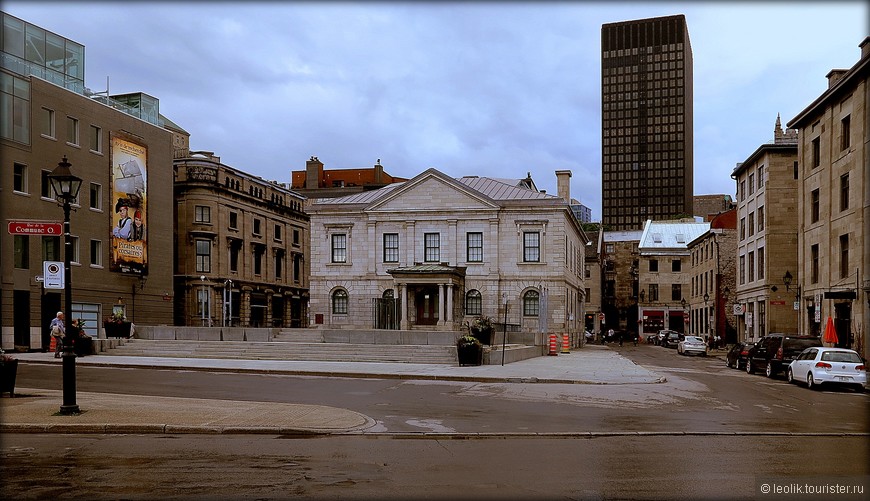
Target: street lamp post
202, 298
66, 188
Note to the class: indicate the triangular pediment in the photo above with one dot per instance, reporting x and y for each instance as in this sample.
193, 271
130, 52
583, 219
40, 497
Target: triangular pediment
433, 191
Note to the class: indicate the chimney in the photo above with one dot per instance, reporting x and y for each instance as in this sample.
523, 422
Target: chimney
834, 76
563, 185
313, 173
379, 173
865, 47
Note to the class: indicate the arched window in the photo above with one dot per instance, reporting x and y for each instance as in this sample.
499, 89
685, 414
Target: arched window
388, 294
473, 303
339, 302
531, 304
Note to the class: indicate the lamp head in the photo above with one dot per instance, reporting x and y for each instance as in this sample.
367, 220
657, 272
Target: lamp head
64, 183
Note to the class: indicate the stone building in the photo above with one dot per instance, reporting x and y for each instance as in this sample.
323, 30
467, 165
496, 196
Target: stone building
708, 206
593, 274
241, 247
663, 280
767, 237
710, 297
619, 262
834, 207
316, 182
118, 147
435, 252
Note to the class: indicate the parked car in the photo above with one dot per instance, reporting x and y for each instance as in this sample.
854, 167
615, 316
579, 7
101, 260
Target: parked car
774, 352
692, 344
817, 366
672, 339
736, 357
662, 334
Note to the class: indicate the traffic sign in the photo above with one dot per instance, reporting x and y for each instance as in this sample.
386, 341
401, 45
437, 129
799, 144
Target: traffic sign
52, 272
35, 228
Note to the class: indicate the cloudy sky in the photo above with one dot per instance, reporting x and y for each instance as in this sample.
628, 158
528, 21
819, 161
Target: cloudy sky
470, 88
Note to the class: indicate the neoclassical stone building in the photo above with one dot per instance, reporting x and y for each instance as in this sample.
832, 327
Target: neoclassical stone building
434, 252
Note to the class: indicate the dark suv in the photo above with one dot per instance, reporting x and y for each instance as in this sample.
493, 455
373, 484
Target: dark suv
775, 352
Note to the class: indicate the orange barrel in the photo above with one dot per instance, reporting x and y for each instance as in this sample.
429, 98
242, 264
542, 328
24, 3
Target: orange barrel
566, 345
552, 345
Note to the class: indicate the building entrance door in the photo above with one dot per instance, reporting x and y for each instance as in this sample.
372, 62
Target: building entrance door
427, 306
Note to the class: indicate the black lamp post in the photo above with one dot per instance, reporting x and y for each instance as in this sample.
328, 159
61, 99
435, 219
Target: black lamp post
66, 188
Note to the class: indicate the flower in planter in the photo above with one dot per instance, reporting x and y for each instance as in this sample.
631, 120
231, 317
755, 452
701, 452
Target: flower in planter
5, 359
117, 317
481, 323
467, 340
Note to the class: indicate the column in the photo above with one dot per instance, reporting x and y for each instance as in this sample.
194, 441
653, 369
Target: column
440, 304
449, 303
402, 294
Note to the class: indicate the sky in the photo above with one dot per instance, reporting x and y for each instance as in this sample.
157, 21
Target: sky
498, 89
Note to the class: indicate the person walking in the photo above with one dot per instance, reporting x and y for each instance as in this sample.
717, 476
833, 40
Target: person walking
58, 332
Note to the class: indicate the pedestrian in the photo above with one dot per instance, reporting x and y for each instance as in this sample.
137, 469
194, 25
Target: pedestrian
58, 332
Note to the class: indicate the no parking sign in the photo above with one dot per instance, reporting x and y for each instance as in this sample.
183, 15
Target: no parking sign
52, 272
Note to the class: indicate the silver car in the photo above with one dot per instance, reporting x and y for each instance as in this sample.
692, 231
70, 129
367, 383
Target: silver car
692, 344
819, 365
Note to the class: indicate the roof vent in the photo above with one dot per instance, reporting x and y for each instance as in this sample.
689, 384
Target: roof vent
681, 239
657, 238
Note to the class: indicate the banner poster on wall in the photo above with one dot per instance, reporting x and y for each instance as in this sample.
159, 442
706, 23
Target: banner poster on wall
129, 205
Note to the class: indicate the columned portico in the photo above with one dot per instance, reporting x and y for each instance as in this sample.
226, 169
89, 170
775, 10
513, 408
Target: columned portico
427, 294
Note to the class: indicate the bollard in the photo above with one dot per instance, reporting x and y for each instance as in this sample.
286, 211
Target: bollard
552, 351
566, 347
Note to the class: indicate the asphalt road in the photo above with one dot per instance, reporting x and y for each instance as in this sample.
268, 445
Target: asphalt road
535, 449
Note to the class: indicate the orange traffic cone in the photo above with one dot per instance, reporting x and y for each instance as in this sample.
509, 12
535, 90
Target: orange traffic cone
566, 346
552, 345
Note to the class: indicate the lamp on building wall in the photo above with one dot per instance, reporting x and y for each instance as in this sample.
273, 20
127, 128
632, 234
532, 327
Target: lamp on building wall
786, 279
642, 294
66, 189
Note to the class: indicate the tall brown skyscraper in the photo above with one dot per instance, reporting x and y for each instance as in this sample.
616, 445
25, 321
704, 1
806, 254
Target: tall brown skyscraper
646, 121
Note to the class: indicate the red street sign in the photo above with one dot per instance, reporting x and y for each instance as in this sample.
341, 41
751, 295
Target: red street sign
777, 302
35, 228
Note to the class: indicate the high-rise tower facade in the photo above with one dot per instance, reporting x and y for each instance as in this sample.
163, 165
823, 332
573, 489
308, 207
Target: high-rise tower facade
646, 121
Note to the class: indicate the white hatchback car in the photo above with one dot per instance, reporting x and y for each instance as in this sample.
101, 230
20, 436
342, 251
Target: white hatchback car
819, 365
692, 344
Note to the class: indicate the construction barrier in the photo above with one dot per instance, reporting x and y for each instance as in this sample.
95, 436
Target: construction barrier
552, 345
566, 346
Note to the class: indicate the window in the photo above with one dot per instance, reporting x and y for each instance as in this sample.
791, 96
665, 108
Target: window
432, 247
653, 265
278, 231
96, 253
608, 248
203, 256
339, 302
391, 247
339, 248
202, 214
96, 197
259, 250
844, 191
845, 126
742, 228
751, 224
47, 124
473, 303
653, 292
676, 265
751, 184
814, 264
760, 176
844, 255
296, 237
258, 229
72, 131
751, 266
531, 247
19, 178
279, 263
234, 220
761, 219
531, 304
51, 248
761, 263
235, 251
15, 102
21, 252
74, 258
474, 250
817, 153
96, 139
45, 190
742, 190
814, 206
676, 292
742, 270
297, 267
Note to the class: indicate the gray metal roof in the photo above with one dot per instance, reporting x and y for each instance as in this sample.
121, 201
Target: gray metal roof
670, 235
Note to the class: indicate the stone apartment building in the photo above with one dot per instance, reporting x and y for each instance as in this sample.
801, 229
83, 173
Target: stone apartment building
663, 278
123, 155
834, 207
767, 238
435, 252
710, 298
241, 247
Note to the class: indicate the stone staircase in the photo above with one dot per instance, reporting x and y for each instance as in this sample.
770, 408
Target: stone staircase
421, 347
